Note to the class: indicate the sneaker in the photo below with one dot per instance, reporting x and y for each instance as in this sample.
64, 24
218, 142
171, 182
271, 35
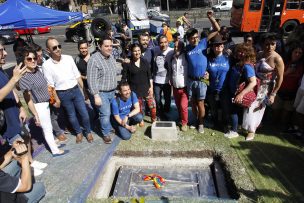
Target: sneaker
36, 171
201, 129
38, 165
231, 134
184, 128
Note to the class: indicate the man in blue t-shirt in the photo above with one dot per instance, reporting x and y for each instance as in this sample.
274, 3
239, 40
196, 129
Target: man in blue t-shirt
125, 111
197, 65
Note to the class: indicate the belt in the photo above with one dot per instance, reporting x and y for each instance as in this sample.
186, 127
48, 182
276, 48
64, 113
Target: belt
107, 90
76, 86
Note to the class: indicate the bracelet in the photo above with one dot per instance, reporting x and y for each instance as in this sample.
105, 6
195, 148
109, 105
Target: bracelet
273, 94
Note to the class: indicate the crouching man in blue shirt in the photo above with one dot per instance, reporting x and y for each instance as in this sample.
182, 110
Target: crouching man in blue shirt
125, 111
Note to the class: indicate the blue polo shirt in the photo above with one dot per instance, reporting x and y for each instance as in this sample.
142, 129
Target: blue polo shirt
218, 68
197, 60
235, 74
11, 112
125, 107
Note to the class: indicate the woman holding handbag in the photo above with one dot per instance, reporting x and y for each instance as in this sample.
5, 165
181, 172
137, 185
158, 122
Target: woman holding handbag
35, 91
270, 71
242, 70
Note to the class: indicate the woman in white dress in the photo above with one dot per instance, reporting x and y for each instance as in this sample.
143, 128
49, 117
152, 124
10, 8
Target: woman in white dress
270, 70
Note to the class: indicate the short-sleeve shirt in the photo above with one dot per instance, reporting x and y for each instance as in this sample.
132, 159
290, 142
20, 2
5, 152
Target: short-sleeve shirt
218, 68
62, 75
11, 112
37, 85
125, 107
235, 74
8, 183
197, 60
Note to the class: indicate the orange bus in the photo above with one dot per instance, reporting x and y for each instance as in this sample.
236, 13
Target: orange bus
267, 15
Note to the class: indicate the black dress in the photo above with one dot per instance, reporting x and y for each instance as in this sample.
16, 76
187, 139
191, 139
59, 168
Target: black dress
138, 77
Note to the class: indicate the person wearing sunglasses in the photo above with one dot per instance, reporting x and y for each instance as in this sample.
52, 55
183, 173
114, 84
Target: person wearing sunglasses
15, 183
35, 91
61, 73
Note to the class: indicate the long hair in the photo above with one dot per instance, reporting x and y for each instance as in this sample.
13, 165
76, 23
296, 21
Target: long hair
248, 54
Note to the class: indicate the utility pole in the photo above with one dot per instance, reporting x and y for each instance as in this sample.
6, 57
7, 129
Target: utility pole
168, 6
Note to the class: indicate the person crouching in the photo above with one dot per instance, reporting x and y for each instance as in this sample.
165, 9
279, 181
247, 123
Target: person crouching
125, 111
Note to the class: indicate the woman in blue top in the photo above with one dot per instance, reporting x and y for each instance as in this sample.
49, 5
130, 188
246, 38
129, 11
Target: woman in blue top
241, 70
218, 67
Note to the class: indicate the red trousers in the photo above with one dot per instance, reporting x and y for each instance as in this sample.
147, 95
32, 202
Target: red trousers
181, 101
151, 104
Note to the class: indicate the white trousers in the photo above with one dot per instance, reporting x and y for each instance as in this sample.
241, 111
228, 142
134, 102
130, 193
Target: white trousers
43, 111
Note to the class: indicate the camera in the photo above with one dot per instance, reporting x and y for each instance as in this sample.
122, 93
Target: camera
22, 153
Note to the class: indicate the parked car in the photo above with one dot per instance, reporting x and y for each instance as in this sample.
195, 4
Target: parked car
35, 31
76, 31
8, 36
223, 6
158, 16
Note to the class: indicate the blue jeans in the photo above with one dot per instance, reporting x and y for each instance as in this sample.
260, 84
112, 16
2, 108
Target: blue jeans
38, 190
72, 100
105, 112
122, 132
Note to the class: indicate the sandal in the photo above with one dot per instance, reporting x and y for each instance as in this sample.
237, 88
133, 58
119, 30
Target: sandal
250, 136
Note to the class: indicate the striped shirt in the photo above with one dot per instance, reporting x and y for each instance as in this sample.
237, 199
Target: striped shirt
101, 73
36, 84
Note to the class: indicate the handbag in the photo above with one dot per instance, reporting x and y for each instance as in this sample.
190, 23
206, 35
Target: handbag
52, 96
250, 96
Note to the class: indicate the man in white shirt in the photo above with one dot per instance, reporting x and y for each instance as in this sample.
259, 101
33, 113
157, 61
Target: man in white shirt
61, 73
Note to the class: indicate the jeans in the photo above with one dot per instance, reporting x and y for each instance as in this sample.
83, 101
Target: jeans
43, 112
38, 190
105, 112
181, 101
166, 90
72, 100
233, 109
122, 132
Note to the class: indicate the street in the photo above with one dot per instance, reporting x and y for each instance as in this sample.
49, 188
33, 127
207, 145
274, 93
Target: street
70, 48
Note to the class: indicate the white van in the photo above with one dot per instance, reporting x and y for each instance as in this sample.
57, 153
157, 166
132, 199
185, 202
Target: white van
223, 6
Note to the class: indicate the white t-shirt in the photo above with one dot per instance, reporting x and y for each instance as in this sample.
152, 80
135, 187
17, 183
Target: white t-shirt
181, 31
62, 75
179, 71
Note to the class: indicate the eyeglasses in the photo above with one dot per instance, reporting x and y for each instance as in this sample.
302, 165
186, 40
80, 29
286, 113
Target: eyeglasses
29, 59
56, 47
3, 49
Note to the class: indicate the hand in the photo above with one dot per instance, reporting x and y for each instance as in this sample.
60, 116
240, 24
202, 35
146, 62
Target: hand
22, 115
124, 121
87, 101
97, 100
18, 72
238, 99
271, 99
126, 60
150, 92
206, 76
209, 13
37, 120
17, 142
19, 149
57, 104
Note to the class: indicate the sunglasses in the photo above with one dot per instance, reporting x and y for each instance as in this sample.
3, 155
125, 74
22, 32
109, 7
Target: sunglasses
3, 49
56, 47
29, 59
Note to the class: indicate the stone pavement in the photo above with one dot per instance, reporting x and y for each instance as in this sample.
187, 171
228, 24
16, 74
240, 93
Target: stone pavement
69, 178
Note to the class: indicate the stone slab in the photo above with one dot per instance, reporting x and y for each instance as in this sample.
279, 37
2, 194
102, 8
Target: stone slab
164, 131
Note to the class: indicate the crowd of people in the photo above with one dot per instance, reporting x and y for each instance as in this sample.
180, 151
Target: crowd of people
207, 72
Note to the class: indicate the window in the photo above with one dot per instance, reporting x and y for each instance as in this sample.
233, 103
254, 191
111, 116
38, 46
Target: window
293, 4
224, 4
255, 5
302, 5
